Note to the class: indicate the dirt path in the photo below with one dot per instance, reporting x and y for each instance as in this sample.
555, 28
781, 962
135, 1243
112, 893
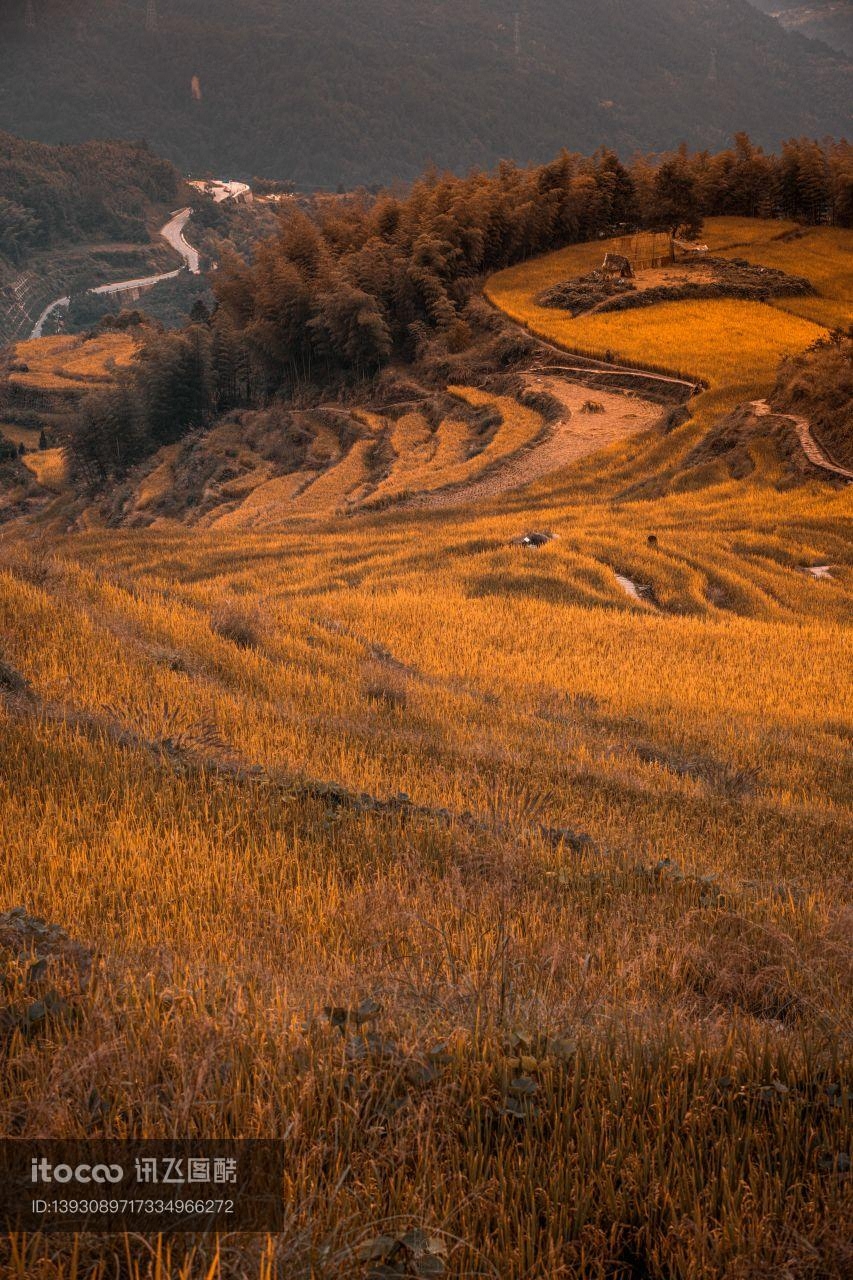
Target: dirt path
575, 436
811, 448
620, 371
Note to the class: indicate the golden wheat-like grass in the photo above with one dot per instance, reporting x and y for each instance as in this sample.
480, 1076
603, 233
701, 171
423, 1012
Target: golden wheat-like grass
615, 1056
61, 362
731, 344
49, 466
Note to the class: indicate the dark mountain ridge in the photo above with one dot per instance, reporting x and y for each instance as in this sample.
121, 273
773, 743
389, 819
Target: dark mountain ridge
323, 93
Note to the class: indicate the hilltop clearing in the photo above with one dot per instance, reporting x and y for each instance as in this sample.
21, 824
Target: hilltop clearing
734, 345
714, 339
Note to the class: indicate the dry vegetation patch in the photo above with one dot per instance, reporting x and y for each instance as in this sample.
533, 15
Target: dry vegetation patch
818, 385
376, 870
54, 363
712, 278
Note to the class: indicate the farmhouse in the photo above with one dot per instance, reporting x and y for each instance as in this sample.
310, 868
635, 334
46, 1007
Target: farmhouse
616, 264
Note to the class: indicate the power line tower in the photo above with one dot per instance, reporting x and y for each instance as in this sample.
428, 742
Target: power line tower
30, 17
151, 16
712, 70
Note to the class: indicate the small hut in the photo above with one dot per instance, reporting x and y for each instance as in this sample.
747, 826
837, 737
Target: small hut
616, 265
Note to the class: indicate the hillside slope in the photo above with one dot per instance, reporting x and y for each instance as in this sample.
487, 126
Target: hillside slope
301, 91
401, 765
76, 214
828, 20
54, 196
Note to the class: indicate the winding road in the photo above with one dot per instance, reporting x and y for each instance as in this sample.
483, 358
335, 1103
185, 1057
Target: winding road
58, 305
173, 234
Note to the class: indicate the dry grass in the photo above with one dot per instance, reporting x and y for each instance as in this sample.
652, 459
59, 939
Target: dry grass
29, 436
413, 445
823, 254
621, 1056
337, 488
63, 362
49, 466
520, 686
728, 343
241, 624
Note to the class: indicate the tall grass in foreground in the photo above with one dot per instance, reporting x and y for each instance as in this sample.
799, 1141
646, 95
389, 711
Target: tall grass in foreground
622, 1057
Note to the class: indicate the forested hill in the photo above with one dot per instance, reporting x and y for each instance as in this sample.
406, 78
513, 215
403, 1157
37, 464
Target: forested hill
56, 196
328, 91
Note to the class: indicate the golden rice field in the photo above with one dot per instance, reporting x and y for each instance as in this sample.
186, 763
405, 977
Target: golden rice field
823, 254
590, 856
60, 362
734, 345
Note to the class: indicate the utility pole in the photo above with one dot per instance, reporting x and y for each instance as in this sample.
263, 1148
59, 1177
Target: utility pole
151, 16
30, 19
517, 34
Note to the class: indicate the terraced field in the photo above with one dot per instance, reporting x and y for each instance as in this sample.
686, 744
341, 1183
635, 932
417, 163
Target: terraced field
394, 460
518, 906
54, 364
46, 377
735, 346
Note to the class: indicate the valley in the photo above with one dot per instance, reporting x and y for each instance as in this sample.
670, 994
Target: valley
426, 637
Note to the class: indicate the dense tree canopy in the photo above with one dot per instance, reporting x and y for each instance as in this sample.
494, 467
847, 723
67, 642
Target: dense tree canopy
52, 196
